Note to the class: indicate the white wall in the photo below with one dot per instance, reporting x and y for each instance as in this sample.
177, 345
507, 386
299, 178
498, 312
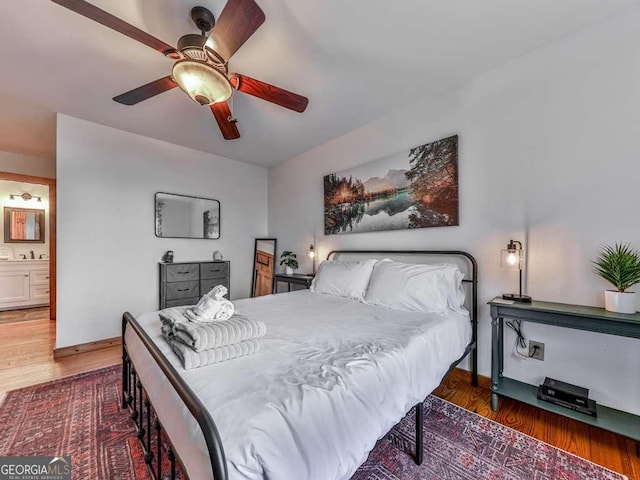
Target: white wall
9, 187
549, 155
27, 165
107, 250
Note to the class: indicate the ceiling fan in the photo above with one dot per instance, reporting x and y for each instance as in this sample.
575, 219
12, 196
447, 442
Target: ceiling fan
201, 67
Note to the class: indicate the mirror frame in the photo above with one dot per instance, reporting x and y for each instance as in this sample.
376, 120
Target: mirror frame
255, 259
7, 224
155, 215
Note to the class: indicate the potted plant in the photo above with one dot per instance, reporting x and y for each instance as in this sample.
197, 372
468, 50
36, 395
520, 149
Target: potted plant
620, 266
289, 260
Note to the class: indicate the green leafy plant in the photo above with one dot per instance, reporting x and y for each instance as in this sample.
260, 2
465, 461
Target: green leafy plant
289, 259
618, 265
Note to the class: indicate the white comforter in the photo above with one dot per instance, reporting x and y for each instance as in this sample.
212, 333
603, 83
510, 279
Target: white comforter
332, 377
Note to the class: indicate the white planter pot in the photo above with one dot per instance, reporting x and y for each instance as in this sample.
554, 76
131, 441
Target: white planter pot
620, 302
288, 270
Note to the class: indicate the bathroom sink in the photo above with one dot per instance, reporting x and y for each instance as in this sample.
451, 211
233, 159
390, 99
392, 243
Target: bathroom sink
25, 260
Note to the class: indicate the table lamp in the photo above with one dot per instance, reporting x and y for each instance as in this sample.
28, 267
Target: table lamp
312, 256
512, 258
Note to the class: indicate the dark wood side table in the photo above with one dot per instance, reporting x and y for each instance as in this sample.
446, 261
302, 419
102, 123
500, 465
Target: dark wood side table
579, 317
295, 279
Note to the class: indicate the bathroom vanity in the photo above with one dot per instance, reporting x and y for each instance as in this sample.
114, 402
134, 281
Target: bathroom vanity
24, 283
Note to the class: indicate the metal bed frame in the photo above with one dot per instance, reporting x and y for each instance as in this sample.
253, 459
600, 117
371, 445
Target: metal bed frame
150, 433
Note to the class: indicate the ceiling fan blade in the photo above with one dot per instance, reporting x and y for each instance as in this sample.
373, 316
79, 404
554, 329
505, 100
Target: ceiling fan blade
105, 18
237, 22
144, 92
222, 113
269, 92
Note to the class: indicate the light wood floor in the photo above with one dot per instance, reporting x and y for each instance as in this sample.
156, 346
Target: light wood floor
26, 355
24, 315
26, 359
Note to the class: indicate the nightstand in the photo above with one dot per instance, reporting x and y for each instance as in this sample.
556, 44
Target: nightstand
592, 319
293, 279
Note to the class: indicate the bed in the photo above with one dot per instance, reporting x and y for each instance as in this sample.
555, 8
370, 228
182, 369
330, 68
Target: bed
332, 377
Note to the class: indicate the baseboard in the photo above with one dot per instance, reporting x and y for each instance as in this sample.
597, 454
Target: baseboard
86, 347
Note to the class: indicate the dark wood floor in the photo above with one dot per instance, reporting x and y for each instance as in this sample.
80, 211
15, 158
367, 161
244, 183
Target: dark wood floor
26, 359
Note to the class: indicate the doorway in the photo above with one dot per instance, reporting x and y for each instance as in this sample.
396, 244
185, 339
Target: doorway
29, 220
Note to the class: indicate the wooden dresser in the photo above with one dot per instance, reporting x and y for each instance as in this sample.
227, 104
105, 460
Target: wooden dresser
185, 282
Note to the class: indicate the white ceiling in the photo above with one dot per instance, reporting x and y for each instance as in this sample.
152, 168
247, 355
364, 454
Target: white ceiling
355, 59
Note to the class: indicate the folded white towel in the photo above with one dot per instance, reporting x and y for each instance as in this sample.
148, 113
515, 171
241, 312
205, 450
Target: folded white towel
207, 335
212, 307
192, 359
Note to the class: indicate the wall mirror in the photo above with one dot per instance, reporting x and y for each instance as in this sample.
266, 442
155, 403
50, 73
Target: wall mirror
23, 225
264, 265
182, 216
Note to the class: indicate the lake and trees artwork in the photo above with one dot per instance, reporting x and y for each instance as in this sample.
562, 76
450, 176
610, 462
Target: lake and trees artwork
414, 189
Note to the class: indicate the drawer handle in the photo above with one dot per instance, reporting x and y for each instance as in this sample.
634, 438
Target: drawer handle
26, 274
47, 291
183, 289
47, 278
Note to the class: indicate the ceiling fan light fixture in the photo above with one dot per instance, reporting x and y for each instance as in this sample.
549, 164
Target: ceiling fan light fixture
202, 82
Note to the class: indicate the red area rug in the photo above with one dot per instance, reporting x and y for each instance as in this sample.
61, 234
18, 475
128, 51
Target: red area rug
81, 416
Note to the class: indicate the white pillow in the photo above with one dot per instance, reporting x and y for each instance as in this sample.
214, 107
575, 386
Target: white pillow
343, 279
412, 287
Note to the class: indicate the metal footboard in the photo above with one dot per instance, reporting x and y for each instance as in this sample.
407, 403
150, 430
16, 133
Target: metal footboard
136, 399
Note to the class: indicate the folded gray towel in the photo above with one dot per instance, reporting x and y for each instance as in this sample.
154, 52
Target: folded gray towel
192, 359
170, 316
204, 336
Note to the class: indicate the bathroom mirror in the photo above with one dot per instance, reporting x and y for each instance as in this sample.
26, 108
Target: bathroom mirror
264, 265
182, 216
23, 225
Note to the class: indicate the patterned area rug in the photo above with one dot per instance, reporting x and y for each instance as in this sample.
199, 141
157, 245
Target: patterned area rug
81, 416
461, 445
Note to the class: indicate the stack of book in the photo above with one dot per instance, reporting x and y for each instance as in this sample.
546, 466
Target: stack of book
568, 396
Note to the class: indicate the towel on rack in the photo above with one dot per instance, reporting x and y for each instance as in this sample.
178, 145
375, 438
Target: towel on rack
192, 359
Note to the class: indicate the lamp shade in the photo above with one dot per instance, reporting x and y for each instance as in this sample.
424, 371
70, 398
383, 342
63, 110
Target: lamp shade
512, 256
511, 259
202, 82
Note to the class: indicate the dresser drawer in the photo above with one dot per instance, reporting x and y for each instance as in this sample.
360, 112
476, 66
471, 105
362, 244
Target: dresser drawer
214, 270
39, 277
207, 285
181, 272
177, 290
181, 302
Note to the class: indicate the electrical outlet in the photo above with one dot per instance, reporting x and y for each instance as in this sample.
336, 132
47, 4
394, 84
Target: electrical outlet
536, 350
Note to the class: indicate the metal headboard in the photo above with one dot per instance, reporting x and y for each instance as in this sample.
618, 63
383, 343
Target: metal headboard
471, 279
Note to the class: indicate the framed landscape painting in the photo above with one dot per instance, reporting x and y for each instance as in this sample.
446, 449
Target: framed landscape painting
414, 189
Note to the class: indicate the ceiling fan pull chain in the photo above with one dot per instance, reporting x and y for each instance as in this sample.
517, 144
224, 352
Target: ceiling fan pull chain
231, 118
